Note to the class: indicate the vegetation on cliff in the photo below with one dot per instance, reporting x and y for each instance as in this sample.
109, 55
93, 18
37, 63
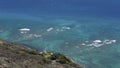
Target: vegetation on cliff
17, 56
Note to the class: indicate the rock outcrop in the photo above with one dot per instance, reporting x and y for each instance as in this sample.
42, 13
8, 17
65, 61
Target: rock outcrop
18, 56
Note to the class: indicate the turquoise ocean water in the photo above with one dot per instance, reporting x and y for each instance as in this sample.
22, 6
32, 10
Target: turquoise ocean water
86, 31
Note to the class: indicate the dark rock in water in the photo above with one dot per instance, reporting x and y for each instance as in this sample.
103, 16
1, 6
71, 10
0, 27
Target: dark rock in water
17, 56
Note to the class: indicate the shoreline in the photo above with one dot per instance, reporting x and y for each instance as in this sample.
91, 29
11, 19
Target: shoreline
14, 51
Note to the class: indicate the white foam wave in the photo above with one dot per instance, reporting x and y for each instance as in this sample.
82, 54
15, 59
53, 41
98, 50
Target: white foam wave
24, 30
35, 35
99, 43
64, 28
83, 44
109, 41
49, 29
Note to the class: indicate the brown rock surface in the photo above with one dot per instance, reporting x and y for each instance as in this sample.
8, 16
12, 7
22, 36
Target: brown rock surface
16, 56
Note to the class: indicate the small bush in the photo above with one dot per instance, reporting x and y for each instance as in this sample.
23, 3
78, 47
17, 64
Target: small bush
61, 58
24, 55
33, 52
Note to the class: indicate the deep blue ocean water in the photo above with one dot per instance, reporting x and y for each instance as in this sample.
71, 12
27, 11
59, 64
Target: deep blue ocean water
88, 31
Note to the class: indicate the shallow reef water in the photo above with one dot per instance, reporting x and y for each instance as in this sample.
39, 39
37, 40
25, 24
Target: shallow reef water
83, 39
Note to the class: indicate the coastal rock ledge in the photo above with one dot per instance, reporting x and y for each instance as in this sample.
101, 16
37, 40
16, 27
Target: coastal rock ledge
17, 56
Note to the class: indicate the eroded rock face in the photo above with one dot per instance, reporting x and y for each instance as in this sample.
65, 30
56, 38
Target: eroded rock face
4, 62
16, 56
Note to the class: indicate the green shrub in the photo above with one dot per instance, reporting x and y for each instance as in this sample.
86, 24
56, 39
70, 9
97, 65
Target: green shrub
24, 55
33, 52
61, 58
